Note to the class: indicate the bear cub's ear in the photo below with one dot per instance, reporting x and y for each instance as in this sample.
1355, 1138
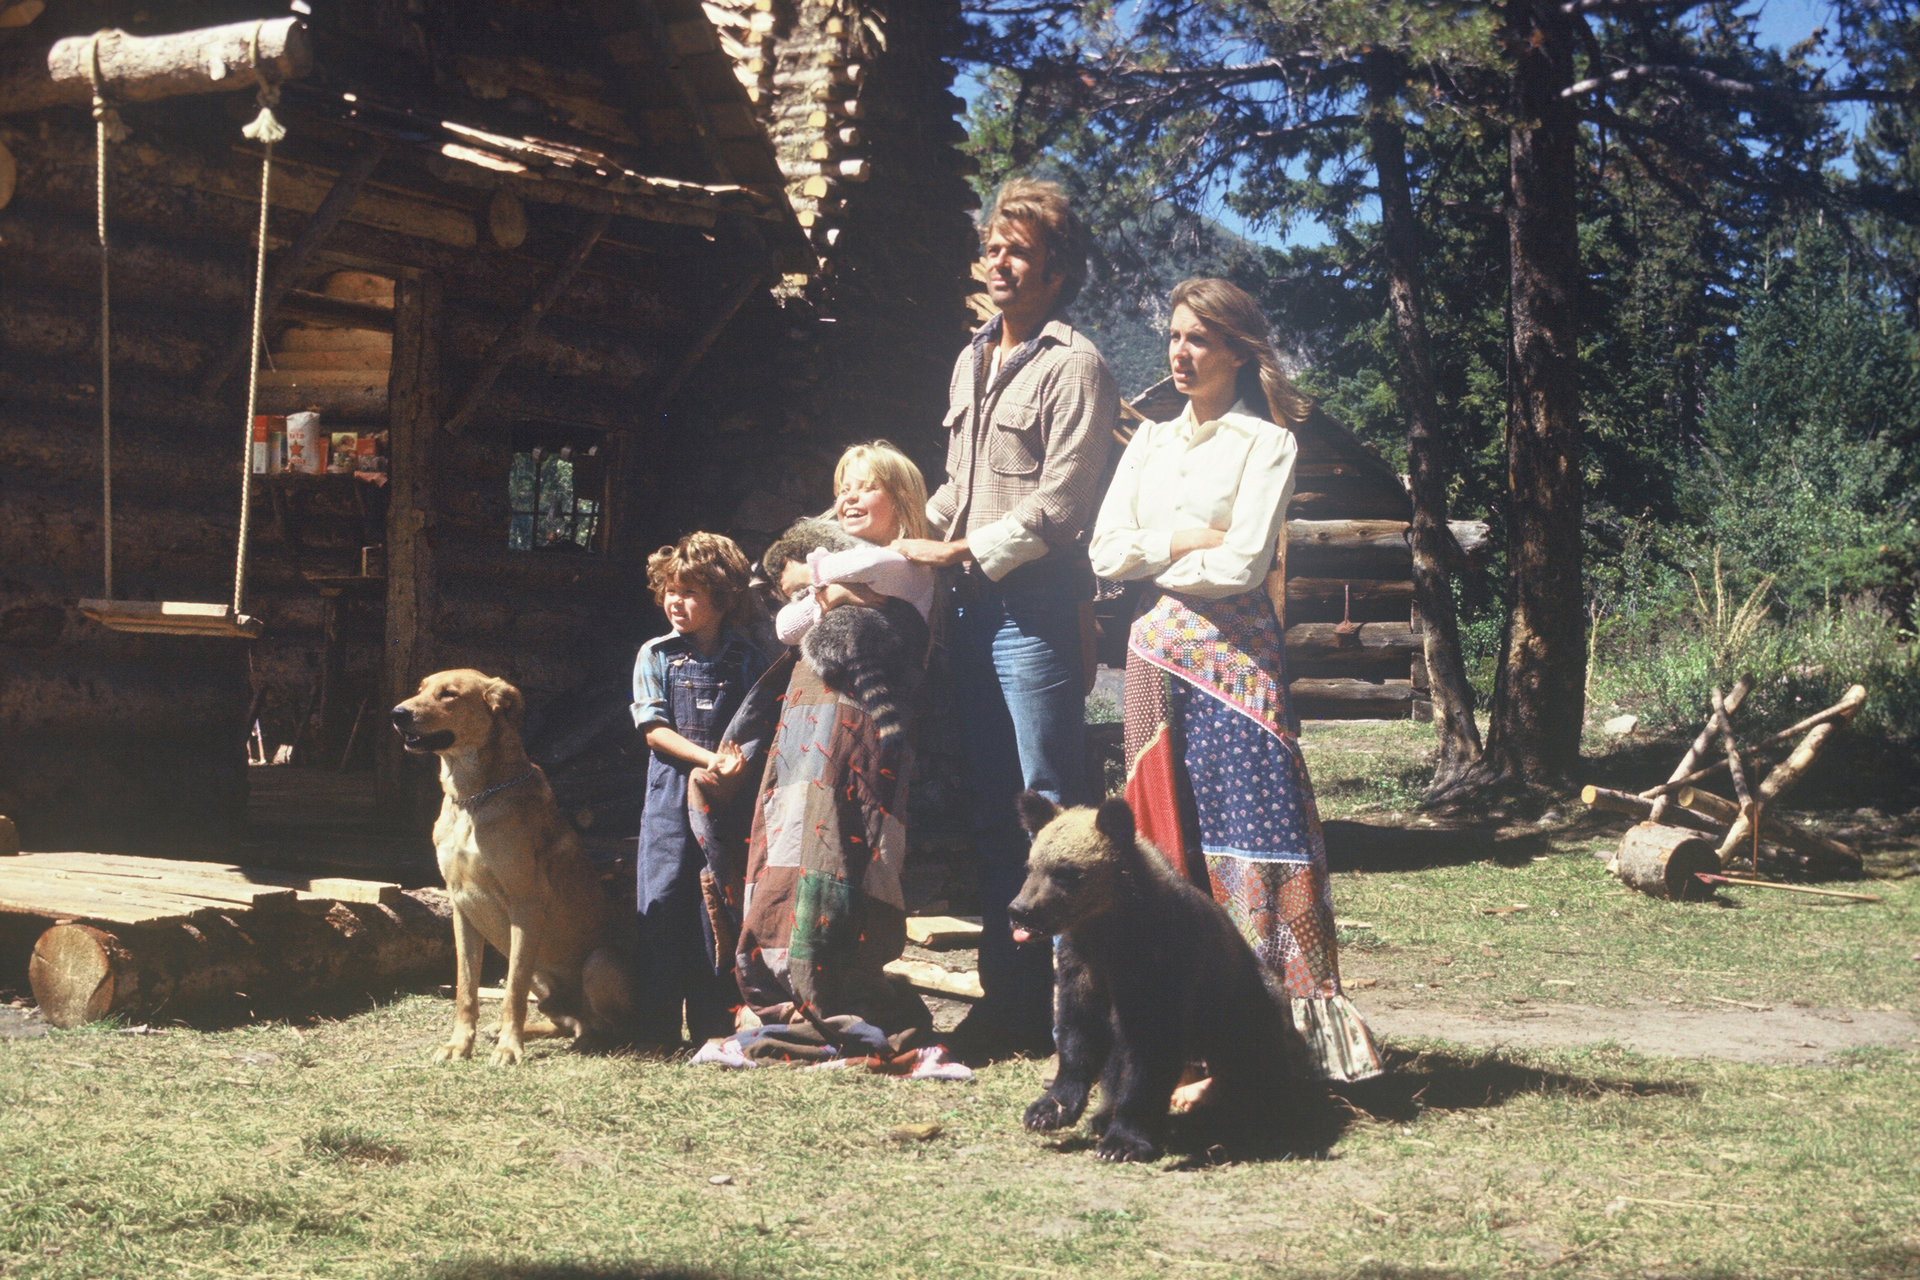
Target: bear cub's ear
1036, 811
1115, 821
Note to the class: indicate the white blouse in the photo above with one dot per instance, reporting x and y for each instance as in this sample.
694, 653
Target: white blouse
1234, 474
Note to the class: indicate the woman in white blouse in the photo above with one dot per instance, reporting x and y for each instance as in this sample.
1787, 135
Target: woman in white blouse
1215, 778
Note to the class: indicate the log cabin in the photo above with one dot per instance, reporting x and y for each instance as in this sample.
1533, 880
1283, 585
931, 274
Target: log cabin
588, 275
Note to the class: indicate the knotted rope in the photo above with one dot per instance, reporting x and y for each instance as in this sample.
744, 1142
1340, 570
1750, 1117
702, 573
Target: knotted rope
264, 128
107, 128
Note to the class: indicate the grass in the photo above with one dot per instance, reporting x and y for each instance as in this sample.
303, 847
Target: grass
332, 1148
162, 1155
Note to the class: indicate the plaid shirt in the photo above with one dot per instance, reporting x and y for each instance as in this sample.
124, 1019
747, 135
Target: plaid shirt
1026, 451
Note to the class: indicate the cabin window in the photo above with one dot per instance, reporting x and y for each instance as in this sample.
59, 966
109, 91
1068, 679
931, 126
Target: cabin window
557, 492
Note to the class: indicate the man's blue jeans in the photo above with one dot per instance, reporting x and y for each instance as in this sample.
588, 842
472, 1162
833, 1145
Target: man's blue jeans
1018, 684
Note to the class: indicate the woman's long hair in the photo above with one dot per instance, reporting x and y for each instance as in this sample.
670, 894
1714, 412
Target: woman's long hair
1232, 315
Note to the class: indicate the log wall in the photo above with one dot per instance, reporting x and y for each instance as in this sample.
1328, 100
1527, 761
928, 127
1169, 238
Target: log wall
722, 405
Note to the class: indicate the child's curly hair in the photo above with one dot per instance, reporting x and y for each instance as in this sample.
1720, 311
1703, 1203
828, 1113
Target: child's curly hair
711, 561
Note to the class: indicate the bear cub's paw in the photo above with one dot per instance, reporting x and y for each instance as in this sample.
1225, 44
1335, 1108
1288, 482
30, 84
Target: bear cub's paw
1122, 1144
1046, 1114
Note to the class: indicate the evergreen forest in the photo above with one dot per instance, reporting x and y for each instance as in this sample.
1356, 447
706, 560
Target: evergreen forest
1620, 278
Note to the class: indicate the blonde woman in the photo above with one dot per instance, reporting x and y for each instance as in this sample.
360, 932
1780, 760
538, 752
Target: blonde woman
821, 907
1215, 778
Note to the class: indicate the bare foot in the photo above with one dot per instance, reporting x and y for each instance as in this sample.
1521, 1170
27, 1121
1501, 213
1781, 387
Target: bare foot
1193, 1096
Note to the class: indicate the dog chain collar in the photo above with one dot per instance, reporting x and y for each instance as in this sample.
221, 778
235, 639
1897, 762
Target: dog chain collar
473, 802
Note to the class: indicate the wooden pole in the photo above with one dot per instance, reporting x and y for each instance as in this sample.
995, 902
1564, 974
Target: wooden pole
148, 68
1782, 776
1772, 826
1702, 743
412, 583
1747, 883
287, 266
1639, 807
1840, 711
514, 339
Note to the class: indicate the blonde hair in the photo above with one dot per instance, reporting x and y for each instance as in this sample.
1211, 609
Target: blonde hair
1041, 208
897, 477
712, 562
1232, 315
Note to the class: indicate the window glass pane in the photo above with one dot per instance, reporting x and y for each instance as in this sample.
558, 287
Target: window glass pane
520, 533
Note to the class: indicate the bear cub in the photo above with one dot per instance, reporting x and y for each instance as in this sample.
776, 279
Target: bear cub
1150, 975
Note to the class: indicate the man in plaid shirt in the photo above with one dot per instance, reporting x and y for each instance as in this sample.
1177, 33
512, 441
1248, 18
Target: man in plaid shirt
1030, 417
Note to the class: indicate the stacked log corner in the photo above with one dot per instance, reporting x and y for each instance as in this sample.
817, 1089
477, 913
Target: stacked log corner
81, 973
1663, 861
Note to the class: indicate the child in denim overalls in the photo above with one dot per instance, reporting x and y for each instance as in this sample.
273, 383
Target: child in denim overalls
686, 687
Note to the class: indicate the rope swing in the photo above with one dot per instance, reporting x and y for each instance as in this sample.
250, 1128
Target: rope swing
174, 617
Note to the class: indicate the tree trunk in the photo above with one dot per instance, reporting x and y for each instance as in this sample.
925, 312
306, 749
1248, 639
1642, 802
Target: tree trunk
81, 973
1539, 697
1432, 550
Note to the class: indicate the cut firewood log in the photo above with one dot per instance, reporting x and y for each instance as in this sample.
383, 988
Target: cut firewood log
1662, 861
1781, 777
81, 973
1640, 807
1702, 743
1772, 827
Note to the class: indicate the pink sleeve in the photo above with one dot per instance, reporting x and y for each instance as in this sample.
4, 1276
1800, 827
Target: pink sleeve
796, 618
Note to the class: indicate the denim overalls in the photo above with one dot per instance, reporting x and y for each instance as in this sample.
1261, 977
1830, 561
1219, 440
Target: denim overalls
676, 938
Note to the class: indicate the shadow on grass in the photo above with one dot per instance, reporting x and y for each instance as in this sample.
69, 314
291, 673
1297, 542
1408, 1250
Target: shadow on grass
1365, 846
485, 1269
1440, 1081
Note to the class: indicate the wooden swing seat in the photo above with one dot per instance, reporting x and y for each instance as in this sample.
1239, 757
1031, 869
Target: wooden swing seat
172, 618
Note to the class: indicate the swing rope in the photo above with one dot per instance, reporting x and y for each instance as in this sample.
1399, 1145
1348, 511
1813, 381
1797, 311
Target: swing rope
265, 128
107, 127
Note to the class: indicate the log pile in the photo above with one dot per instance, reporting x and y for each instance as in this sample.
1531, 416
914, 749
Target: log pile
1681, 822
145, 938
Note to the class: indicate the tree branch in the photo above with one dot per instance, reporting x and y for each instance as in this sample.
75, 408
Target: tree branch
1705, 79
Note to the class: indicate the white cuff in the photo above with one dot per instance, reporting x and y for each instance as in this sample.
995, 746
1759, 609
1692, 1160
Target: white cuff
1003, 546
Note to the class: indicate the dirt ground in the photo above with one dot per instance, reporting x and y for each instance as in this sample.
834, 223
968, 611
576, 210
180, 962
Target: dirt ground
1763, 1034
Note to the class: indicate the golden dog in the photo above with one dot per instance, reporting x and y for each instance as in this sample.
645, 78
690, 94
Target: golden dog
515, 873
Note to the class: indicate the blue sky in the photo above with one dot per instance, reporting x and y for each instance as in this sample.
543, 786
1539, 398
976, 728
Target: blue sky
1782, 23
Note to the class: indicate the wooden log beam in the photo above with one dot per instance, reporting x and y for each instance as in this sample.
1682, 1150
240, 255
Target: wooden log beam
514, 339
1773, 827
1374, 599
1328, 698
1702, 742
716, 325
81, 973
412, 604
1376, 535
288, 264
149, 68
